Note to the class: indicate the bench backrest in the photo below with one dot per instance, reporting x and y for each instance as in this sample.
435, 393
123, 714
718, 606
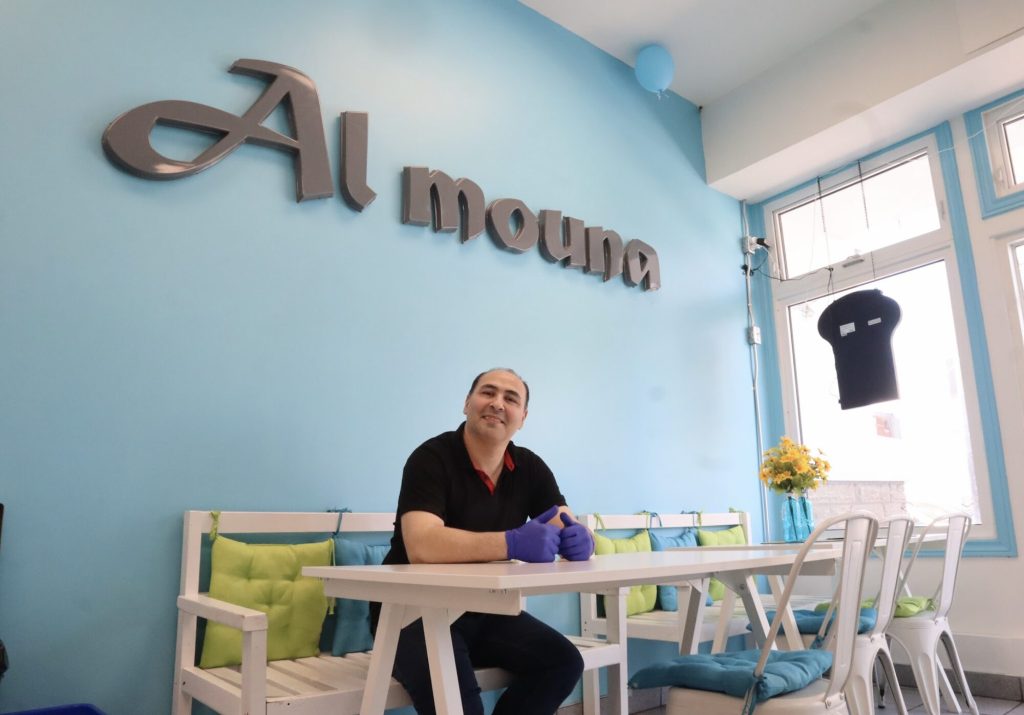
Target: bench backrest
199, 523
668, 521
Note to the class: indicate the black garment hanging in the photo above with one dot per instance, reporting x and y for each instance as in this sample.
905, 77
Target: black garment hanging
859, 327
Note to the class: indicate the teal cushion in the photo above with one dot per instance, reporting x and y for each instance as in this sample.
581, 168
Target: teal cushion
668, 598
733, 673
809, 622
352, 628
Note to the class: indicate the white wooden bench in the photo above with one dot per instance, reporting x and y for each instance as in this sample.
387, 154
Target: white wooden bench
722, 620
304, 686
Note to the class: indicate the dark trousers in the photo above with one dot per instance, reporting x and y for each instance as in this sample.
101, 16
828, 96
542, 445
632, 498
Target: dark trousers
545, 666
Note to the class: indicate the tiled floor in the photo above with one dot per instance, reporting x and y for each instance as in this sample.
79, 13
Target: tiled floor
986, 706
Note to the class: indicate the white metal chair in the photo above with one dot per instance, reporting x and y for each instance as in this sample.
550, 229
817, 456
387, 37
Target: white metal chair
871, 647
920, 635
824, 695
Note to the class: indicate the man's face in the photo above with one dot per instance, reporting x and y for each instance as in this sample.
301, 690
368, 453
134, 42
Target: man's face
496, 408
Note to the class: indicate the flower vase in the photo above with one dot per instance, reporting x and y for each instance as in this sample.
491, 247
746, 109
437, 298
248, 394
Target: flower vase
797, 518
808, 512
788, 518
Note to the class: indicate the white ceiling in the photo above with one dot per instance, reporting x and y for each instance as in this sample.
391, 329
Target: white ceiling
794, 88
717, 45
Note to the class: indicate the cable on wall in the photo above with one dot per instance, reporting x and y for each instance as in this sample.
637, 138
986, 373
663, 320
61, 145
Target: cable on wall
750, 245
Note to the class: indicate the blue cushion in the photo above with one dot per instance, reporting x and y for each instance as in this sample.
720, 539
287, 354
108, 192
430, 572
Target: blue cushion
809, 622
668, 599
352, 628
733, 673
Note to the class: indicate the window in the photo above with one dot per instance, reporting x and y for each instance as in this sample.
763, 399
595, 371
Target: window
1004, 129
1013, 137
996, 136
889, 205
1017, 261
922, 438
881, 224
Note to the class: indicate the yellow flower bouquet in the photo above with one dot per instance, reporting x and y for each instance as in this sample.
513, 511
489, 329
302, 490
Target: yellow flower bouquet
790, 467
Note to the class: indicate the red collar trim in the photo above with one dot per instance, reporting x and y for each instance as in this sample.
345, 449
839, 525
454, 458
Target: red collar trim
486, 479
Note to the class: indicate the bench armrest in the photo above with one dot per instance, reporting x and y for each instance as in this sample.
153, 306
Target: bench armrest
240, 617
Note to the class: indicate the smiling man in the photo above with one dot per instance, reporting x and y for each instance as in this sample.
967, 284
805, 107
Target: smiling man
471, 495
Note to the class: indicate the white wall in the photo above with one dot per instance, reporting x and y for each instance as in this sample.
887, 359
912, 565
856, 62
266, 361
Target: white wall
986, 615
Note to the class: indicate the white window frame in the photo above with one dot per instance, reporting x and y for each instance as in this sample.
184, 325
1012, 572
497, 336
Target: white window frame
998, 149
852, 271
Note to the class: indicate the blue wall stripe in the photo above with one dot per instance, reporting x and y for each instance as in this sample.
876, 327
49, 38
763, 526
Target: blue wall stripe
1005, 543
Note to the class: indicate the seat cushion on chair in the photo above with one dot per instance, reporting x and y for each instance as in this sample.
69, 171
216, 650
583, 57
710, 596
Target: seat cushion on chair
684, 701
268, 578
668, 599
809, 622
733, 673
910, 606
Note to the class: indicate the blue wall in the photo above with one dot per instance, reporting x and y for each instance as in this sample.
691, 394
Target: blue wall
211, 343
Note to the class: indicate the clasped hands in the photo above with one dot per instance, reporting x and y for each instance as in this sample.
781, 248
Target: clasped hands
539, 542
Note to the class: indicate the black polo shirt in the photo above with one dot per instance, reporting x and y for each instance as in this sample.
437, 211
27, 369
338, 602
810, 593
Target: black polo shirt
440, 478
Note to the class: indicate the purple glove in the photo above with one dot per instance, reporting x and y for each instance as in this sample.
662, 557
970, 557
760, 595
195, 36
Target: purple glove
535, 541
577, 544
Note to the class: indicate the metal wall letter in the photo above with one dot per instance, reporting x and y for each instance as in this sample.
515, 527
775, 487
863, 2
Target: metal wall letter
642, 267
433, 194
354, 138
499, 219
126, 139
428, 196
604, 252
562, 239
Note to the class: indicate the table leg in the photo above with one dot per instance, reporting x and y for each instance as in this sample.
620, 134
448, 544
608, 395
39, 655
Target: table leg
726, 610
745, 587
789, 628
615, 612
382, 660
693, 618
441, 656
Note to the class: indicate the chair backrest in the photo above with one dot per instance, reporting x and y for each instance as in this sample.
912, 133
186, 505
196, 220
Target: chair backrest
859, 531
957, 527
898, 532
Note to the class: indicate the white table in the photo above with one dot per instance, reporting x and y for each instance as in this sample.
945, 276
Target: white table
440, 593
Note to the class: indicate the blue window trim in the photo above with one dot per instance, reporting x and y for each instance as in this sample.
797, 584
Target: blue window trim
991, 205
1005, 542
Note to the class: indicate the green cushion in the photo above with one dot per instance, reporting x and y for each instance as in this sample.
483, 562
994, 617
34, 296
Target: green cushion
352, 628
268, 578
733, 673
640, 599
906, 606
909, 606
722, 537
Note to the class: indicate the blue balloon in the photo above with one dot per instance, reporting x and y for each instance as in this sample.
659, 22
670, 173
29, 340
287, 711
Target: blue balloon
654, 68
